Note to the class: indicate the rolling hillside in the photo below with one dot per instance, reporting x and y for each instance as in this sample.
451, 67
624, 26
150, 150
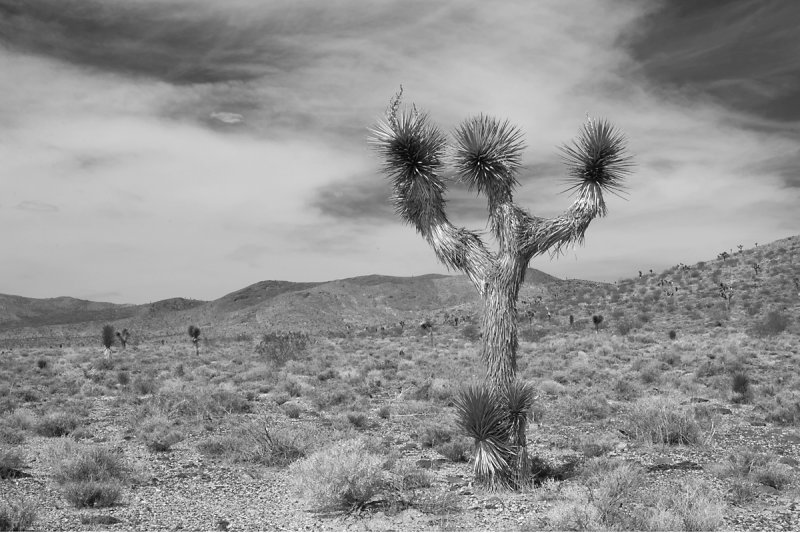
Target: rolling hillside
759, 280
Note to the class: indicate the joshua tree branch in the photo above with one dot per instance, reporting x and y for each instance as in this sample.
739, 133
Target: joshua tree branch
413, 152
597, 162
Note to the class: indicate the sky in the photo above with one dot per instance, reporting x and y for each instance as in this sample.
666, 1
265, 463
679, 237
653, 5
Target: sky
152, 149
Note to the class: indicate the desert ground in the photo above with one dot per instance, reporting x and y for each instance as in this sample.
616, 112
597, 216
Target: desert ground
679, 410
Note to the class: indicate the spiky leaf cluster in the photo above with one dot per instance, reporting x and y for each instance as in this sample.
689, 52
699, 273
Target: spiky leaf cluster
487, 155
413, 150
494, 421
596, 161
482, 417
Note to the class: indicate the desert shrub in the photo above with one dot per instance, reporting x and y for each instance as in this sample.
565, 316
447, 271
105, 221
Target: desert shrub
325, 375
593, 406
21, 418
103, 364
158, 433
10, 460
144, 385
740, 384
748, 465
12, 436
432, 434
552, 388
672, 335
613, 498
292, 410
92, 477
686, 506
17, 515
176, 399
624, 326
123, 377
26, 394
772, 324
783, 408
384, 412
357, 419
471, 332
456, 449
342, 475
281, 347
532, 334
626, 389
662, 420
42, 363
650, 372
259, 444
57, 424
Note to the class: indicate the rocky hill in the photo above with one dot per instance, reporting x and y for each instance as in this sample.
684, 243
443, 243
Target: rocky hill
737, 288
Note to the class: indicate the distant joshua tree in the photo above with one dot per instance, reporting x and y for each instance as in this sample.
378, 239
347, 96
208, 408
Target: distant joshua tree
194, 333
486, 155
108, 339
123, 337
597, 320
726, 292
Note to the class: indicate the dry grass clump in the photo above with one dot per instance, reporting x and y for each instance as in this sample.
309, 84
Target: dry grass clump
662, 420
346, 474
17, 515
748, 467
350, 473
258, 443
57, 424
782, 409
773, 324
91, 476
614, 497
158, 433
279, 348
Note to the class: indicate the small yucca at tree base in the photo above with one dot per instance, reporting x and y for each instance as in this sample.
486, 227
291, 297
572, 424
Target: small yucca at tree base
497, 423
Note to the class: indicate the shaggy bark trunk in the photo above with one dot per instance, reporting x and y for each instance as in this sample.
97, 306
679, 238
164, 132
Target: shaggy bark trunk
499, 347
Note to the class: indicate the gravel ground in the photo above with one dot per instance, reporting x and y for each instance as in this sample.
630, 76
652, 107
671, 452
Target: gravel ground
182, 490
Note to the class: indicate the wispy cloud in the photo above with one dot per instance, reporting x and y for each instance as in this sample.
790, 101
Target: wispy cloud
41, 207
226, 142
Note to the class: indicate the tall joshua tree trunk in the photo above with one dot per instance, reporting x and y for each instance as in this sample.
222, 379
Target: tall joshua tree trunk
486, 156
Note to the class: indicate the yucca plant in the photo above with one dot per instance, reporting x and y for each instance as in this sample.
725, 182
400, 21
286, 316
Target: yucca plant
486, 155
482, 416
194, 333
107, 335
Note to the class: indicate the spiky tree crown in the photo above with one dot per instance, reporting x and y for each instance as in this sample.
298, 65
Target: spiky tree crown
486, 156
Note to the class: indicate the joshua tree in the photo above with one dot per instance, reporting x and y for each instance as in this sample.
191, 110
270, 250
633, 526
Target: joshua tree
486, 156
726, 293
597, 319
194, 333
108, 339
123, 337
